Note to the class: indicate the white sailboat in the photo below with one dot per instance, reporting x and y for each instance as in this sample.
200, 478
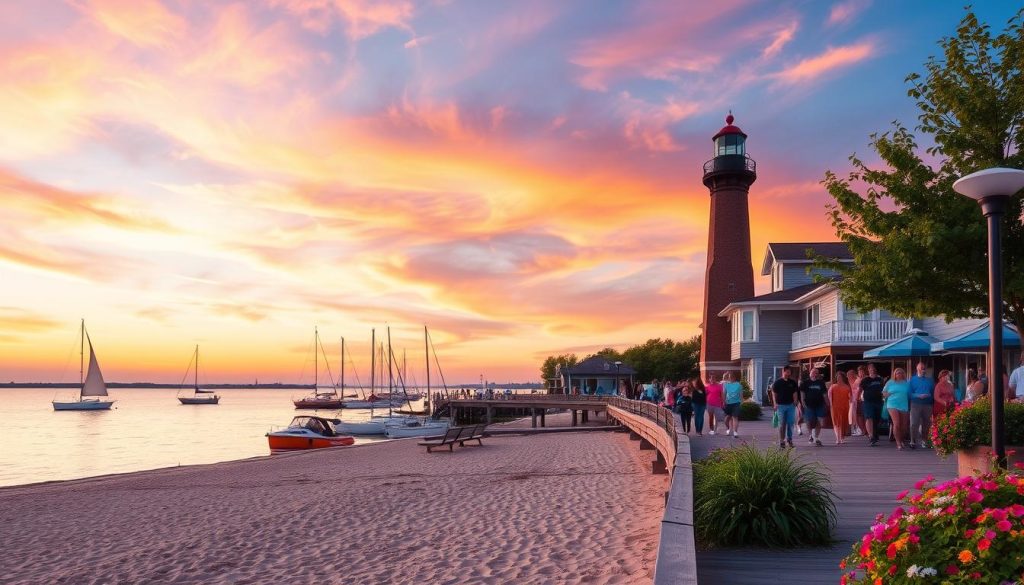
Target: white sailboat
409, 426
93, 386
197, 392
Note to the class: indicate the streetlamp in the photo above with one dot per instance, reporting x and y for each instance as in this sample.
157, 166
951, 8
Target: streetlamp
992, 189
618, 382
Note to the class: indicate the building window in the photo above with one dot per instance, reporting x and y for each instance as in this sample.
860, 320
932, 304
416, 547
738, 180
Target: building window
776, 277
744, 326
812, 315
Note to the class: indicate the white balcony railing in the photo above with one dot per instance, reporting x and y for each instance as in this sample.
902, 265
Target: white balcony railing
850, 332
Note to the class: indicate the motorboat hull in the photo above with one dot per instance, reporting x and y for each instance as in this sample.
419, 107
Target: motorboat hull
199, 400
361, 428
292, 440
84, 405
364, 404
402, 431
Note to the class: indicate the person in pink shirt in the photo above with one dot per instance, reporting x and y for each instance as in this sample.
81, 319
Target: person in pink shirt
716, 402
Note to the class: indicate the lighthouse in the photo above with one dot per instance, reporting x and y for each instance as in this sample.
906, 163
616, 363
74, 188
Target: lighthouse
729, 276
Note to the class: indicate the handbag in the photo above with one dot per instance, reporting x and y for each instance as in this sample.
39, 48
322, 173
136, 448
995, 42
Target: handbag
775, 419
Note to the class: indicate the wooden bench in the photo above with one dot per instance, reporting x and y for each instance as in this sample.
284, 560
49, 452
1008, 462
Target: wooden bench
450, 437
473, 434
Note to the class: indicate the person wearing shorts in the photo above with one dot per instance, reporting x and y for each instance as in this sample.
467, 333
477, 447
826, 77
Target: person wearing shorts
871, 393
812, 397
784, 394
733, 392
716, 402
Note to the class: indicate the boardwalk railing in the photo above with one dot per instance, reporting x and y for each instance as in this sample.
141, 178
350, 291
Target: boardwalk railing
677, 548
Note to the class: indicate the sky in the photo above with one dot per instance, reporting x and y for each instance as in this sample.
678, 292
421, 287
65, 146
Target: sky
524, 178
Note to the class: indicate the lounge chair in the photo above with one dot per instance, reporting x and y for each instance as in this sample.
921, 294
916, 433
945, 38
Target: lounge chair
450, 437
475, 434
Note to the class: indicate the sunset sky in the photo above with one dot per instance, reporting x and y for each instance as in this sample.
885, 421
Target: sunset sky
522, 177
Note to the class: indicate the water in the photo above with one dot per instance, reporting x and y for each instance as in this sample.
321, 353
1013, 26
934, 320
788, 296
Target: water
146, 429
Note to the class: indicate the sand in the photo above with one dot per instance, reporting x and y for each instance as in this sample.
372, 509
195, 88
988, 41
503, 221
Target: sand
562, 508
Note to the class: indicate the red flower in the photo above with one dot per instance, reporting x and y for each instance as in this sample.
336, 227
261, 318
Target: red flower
952, 570
984, 543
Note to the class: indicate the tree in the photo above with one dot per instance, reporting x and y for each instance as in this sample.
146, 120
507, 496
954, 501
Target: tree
551, 363
920, 247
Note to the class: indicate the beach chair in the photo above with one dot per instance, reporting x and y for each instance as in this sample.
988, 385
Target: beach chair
450, 437
475, 434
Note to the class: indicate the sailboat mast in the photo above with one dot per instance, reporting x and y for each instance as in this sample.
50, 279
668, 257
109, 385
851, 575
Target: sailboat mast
343, 367
197, 368
81, 357
373, 359
391, 371
316, 363
426, 354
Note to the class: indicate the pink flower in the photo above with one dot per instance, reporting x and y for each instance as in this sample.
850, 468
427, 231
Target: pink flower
915, 538
969, 533
952, 570
913, 529
989, 486
975, 497
989, 534
902, 494
1004, 525
1017, 510
999, 514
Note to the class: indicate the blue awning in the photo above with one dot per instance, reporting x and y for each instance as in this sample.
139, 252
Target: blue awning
977, 340
915, 343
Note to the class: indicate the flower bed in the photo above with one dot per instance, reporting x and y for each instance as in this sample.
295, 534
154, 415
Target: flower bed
968, 530
970, 425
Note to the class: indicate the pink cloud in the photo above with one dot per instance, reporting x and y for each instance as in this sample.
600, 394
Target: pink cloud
845, 12
780, 40
146, 23
831, 60
361, 18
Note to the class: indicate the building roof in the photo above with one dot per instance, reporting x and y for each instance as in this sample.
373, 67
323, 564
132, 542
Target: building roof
599, 366
728, 128
797, 252
786, 296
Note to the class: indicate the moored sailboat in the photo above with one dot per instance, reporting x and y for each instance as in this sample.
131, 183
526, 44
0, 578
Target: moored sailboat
93, 388
330, 399
199, 396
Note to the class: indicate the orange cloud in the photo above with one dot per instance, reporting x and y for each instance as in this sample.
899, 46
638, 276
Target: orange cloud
832, 59
361, 18
145, 23
780, 40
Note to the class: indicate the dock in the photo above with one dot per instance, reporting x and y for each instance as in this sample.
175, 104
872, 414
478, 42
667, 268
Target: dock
533, 405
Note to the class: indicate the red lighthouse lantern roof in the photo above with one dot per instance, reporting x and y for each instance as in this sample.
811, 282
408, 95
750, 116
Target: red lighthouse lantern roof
728, 128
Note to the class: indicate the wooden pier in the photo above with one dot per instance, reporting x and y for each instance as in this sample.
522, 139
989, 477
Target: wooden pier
533, 405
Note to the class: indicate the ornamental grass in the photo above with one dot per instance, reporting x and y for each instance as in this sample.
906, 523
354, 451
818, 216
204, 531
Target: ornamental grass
745, 496
968, 530
970, 425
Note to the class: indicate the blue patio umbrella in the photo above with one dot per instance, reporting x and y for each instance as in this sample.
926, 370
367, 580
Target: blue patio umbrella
977, 339
915, 343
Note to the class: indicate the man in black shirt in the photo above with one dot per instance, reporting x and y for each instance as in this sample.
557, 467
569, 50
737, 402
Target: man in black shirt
871, 393
784, 395
812, 398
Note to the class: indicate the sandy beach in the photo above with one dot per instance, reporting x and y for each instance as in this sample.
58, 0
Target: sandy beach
560, 508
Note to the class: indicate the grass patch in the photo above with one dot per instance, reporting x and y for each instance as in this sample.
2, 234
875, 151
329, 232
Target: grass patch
744, 496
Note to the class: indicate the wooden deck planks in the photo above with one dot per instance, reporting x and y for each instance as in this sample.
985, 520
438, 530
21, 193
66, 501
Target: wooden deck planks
866, 481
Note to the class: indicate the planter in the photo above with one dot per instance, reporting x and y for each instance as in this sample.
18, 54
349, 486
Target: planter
976, 460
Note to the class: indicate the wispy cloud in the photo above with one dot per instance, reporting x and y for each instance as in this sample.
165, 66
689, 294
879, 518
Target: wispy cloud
833, 59
846, 11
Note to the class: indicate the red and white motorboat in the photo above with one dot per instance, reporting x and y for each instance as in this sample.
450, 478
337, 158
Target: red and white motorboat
307, 432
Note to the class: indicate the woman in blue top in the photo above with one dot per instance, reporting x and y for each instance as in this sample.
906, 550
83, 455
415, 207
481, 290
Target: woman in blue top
733, 392
897, 401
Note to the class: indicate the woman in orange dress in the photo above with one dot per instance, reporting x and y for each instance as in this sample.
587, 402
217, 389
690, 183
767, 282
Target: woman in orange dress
839, 400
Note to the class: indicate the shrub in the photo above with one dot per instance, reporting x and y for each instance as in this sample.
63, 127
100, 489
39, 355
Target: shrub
750, 411
747, 392
744, 496
968, 530
970, 425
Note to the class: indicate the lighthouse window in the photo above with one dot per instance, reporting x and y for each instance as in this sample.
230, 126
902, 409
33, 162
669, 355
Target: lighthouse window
730, 144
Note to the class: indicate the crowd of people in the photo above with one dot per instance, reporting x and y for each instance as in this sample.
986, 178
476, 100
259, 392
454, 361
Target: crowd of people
856, 402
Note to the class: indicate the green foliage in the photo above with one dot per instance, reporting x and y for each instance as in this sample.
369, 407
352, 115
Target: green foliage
551, 363
971, 425
919, 246
661, 359
957, 532
747, 392
744, 496
750, 411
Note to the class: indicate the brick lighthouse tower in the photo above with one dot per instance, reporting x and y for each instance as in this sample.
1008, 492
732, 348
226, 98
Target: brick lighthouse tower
729, 276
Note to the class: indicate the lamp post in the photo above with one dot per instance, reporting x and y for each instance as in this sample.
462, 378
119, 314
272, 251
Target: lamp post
618, 381
992, 189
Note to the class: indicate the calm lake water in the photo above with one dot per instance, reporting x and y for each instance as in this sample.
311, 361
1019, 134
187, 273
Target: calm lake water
146, 429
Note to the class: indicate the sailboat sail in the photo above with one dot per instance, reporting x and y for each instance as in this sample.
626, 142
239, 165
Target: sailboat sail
94, 384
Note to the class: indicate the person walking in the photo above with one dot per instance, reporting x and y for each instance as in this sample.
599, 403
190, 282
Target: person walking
684, 405
670, 395
733, 392
1015, 388
871, 394
784, 396
700, 403
896, 393
716, 402
812, 397
945, 395
839, 397
975, 388
922, 401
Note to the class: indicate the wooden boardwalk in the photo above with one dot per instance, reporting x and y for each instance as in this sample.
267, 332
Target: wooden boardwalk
866, 481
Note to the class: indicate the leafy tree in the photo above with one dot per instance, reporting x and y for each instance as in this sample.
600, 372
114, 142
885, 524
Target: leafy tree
920, 247
551, 363
663, 359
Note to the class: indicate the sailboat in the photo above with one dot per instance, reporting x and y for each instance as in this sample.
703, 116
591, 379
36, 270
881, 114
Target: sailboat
318, 399
196, 397
410, 426
93, 386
